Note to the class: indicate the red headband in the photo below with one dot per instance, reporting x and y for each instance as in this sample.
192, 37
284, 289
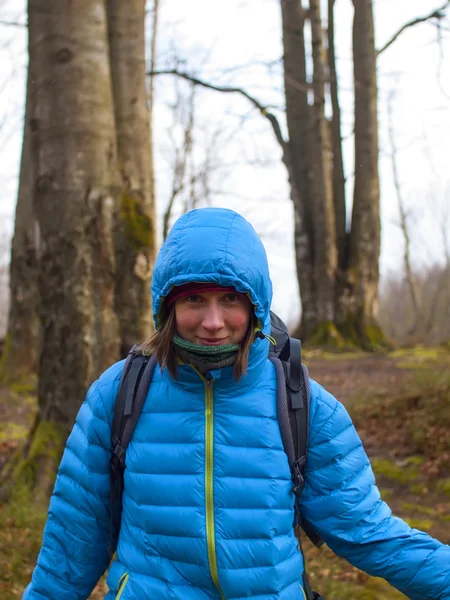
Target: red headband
188, 289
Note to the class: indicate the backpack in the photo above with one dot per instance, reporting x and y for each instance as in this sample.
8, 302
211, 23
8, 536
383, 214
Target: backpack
293, 396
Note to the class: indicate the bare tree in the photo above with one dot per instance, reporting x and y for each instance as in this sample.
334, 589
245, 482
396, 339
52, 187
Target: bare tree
363, 274
23, 328
183, 115
438, 14
324, 232
404, 228
296, 154
136, 235
336, 142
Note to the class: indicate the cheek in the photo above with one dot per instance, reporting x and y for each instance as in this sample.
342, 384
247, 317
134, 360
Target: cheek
187, 320
240, 320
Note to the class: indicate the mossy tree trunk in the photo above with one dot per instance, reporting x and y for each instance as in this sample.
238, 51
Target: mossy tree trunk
363, 275
337, 269
325, 259
93, 195
297, 159
20, 348
136, 215
74, 145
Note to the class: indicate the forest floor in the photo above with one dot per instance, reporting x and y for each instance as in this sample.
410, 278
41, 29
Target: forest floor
400, 403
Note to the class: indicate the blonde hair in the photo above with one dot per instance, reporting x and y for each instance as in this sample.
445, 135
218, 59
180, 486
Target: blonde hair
160, 344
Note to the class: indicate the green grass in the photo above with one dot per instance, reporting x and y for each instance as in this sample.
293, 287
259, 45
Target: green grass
21, 523
413, 420
335, 579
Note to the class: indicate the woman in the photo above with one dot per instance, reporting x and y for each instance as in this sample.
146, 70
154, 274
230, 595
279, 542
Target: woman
208, 505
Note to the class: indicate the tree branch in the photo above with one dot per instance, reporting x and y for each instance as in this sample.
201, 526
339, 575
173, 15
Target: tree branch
438, 13
13, 23
231, 90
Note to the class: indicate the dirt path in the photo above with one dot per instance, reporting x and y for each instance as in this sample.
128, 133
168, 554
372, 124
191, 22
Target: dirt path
350, 376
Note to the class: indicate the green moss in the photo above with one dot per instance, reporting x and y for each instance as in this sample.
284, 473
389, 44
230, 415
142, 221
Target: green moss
386, 493
138, 227
10, 432
420, 489
421, 352
366, 336
425, 510
326, 335
24, 386
443, 485
4, 358
422, 524
416, 460
394, 472
47, 443
420, 356
374, 337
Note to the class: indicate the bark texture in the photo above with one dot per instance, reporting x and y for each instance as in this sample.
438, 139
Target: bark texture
336, 147
136, 217
366, 228
74, 144
23, 325
325, 260
297, 155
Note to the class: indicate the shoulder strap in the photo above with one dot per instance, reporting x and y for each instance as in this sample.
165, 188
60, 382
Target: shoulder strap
298, 397
133, 388
298, 394
292, 421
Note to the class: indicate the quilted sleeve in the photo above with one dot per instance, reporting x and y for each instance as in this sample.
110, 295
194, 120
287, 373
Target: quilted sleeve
74, 551
342, 502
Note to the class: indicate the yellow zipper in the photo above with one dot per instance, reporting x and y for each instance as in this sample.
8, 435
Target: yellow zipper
122, 583
209, 481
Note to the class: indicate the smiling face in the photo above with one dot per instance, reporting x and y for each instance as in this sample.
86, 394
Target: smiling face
213, 318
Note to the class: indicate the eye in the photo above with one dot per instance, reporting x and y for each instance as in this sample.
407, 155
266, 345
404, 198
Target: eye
232, 297
193, 299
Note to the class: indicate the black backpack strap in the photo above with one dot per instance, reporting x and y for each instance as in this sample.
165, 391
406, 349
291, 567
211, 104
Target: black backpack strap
293, 399
298, 386
134, 384
299, 402
291, 446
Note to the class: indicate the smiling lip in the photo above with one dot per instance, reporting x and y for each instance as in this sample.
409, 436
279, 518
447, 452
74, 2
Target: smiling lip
212, 341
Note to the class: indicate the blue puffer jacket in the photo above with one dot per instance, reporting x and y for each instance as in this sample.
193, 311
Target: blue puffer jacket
208, 507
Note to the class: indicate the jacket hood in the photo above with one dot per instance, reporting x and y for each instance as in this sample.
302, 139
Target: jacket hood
214, 245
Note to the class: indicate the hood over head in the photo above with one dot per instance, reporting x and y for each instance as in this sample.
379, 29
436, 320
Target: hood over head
214, 245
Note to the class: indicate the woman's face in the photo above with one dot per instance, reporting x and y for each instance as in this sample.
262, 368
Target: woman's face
213, 318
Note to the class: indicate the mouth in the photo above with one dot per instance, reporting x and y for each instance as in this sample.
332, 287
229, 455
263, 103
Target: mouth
212, 341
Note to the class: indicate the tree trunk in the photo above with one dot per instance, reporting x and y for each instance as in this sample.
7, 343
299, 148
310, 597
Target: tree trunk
325, 260
365, 235
336, 142
136, 235
298, 156
74, 144
21, 344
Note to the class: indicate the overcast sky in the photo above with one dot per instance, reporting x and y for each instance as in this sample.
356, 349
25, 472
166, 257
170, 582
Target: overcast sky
216, 37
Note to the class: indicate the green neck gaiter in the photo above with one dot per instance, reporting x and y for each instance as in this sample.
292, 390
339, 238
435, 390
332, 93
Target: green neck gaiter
206, 355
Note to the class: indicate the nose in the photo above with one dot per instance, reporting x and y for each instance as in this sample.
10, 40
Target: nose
213, 318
